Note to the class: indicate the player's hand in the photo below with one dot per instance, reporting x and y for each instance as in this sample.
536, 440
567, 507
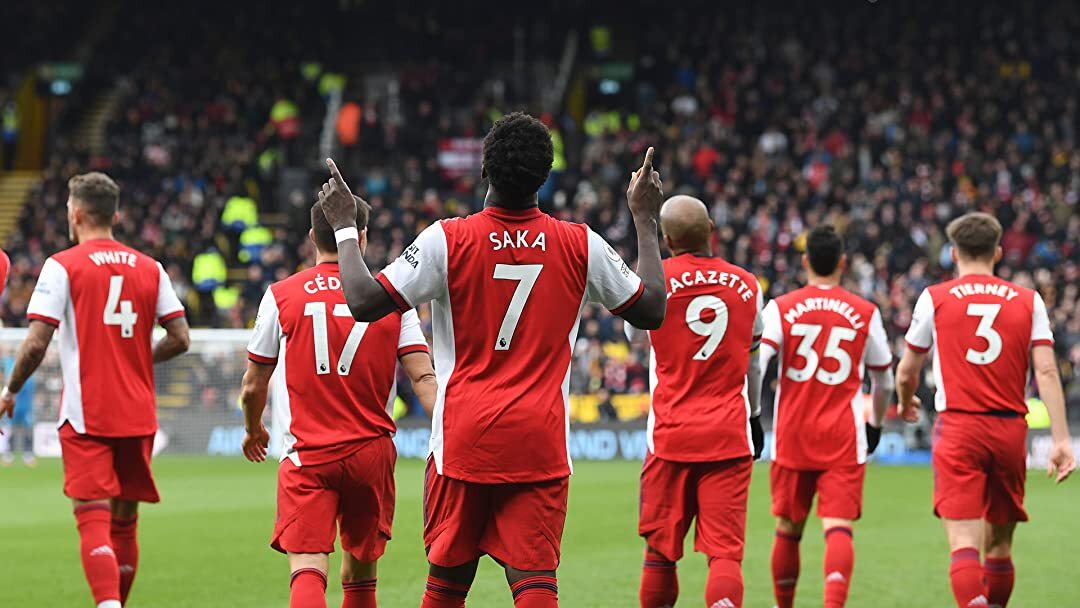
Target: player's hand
1062, 462
7, 407
910, 412
255, 444
337, 200
757, 434
873, 437
646, 192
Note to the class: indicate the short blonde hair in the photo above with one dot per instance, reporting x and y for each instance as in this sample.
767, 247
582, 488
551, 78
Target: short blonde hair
975, 235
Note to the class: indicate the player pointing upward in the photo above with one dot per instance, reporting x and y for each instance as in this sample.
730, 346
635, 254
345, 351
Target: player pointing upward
824, 337
104, 297
703, 422
508, 285
985, 333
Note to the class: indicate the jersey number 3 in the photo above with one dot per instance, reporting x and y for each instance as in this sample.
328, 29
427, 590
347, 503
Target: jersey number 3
317, 312
117, 311
805, 349
986, 314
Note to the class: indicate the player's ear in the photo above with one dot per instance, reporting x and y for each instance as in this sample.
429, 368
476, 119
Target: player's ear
997, 255
954, 256
116, 218
842, 266
805, 263
363, 241
483, 172
667, 241
311, 237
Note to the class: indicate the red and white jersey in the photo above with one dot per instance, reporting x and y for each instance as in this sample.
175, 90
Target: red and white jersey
340, 374
981, 329
825, 337
508, 288
105, 297
698, 362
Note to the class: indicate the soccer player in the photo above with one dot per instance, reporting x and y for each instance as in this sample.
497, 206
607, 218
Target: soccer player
825, 337
704, 428
985, 334
508, 284
337, 464
104, 297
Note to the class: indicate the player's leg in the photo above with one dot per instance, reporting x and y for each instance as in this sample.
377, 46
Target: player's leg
357, 582
307, 583
524, 534
792, 494
664, 518
90, 481
1005, 493
125, 518
840, 492
365, 516
132, 465
722, 490
455, 513
998, 571
965, 569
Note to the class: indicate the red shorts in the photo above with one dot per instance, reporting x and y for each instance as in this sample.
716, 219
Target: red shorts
673, 493
355, 493
98, 468
980, 464
518, 524
839, 491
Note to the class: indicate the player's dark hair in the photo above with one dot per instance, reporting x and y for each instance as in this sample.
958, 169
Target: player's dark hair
98, 196
517, 158
824, 247
975, 235
324, 233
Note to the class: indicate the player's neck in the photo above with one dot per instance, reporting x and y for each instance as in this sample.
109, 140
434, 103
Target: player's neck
94, 234
494, 199
700, 252
966, 268
814, 280
325, 258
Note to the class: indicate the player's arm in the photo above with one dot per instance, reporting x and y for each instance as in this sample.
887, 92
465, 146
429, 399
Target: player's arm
1047, 378
919, 340
644, 197
176, 342
31, 353
253, 392
418, 367
367, 300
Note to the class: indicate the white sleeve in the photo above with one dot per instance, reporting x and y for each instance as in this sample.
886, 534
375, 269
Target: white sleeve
168, 305
611, 283
1040, 324
265, 342
51, 296
418, 275
920, 336
411, 339
878, 355
772, 331
759, 322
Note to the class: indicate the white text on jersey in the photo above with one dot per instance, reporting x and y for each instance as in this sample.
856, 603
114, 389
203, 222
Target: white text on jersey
520, 240
840, 307
321, 283
710, 277
990, 289
113, 257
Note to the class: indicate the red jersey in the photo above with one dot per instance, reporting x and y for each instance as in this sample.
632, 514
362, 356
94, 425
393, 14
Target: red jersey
5, 267
105, 297
339, 374
982, 329
698, 361
508, 288
825, 338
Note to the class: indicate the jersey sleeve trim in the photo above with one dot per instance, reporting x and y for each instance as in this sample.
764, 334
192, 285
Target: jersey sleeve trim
44, 319
169, 317
1042, 342
261, 360
771, 344
630, 302
398, 299
879, 368
917, 348
412, 348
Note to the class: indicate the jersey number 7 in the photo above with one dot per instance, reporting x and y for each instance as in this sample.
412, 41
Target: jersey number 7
317, 312
525, 275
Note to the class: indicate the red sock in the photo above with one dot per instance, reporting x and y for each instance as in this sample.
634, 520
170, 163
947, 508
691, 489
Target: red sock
307, 589
659, 581
127, 552
724, 587
359, 594
96, 550
1000, 576
444, 594
785, 568
839, 563
966, 576
536, 592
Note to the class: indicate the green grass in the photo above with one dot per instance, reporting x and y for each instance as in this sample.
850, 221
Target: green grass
206, 543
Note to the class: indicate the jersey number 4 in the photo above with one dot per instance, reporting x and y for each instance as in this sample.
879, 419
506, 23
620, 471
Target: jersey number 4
525, 275
117, 311
317, 312
809, 334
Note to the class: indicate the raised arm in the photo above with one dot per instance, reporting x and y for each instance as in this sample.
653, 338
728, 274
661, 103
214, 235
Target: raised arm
367, 300
644, 197
31, 352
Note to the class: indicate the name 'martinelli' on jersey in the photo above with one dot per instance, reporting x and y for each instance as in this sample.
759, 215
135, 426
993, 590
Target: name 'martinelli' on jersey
710, 277
990, 289
123, 258
519, 240
836, 305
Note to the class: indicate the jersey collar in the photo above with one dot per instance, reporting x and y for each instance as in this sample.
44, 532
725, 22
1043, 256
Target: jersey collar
512, 214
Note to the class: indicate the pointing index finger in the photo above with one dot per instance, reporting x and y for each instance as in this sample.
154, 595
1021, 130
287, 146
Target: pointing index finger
335, 173
647, 165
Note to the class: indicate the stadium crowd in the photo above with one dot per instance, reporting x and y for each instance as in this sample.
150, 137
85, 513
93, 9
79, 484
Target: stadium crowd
778, 121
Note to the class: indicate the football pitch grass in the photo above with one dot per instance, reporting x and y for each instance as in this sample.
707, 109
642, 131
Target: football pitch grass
205, 545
